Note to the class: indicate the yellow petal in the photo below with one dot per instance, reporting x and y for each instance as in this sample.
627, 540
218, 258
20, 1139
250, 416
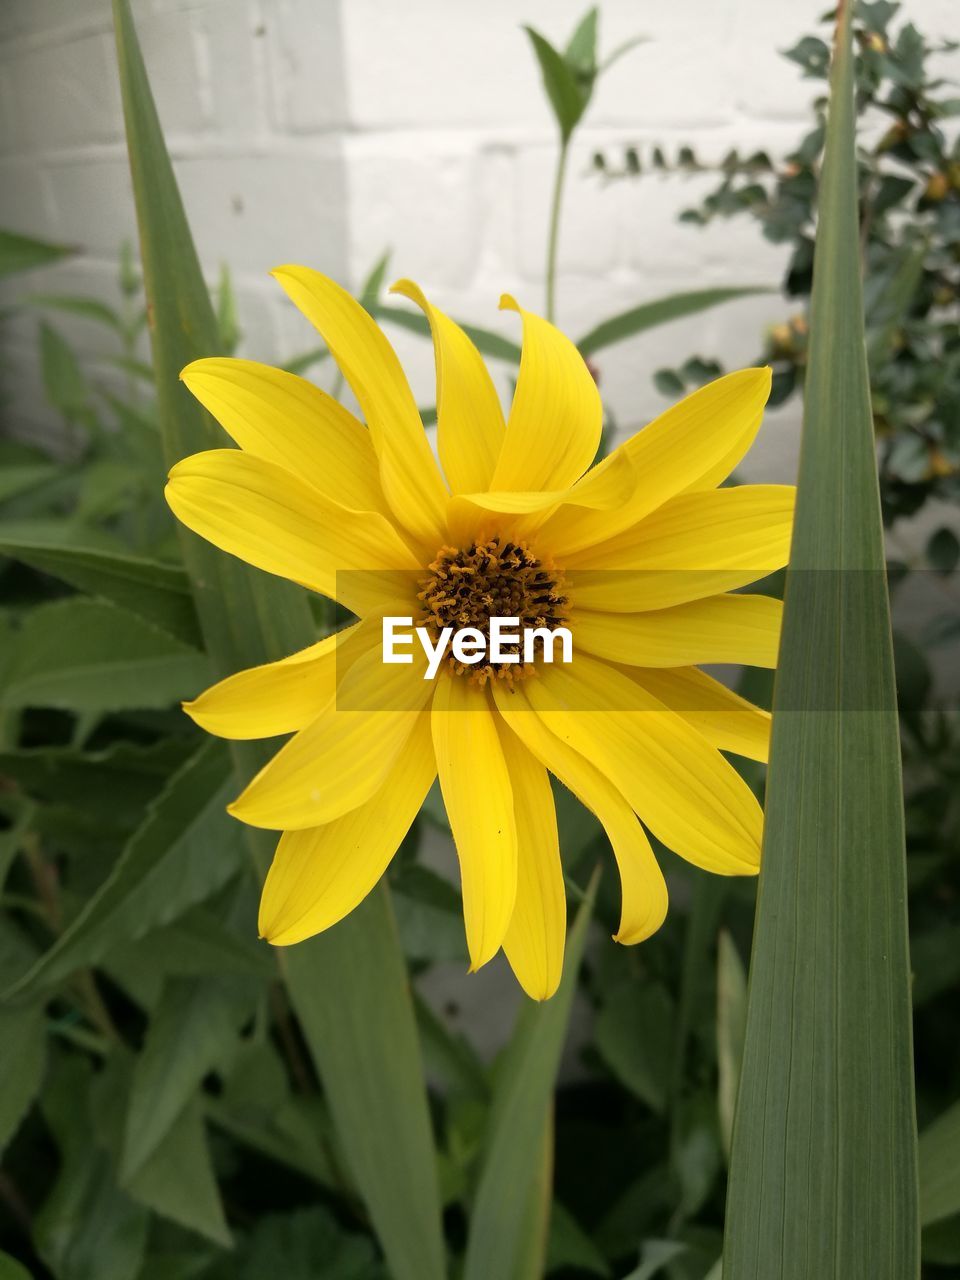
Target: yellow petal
689, 796
278, 697
408, 471
287, 420
534, 941
695, 444
695, 545
553, 430
739, 629
342, 758
268, 517
470, 425
521, 512
318, 876
644, 903
729, 722
476, 790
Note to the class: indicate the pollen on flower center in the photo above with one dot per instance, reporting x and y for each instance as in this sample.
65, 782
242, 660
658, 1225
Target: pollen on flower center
467, 586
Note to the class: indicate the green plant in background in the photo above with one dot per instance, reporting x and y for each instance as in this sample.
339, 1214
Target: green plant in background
175, 1105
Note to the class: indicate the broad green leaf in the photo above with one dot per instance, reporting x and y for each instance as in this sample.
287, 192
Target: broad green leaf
178, 1181
634, 1035
823, 1174
20, 253
571, 1246
566, 96
500, 1221
731, 1019
581, 50
487, 343
159, 593
114, 661
115, 783
654, 1256
648, 315
23, 1034
11, 1269
370, 1065
63, 379
940, 1167
192, 1030
88, 1229
168, 866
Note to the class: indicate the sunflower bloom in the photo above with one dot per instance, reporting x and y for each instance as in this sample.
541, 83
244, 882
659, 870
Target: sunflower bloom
640, 557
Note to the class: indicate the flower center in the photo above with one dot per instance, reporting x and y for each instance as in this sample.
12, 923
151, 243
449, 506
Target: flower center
466, 587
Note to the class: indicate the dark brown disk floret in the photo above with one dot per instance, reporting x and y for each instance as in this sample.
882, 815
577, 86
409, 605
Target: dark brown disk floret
496, 578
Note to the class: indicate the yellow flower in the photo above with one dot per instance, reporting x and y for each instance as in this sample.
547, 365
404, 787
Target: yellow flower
638, 556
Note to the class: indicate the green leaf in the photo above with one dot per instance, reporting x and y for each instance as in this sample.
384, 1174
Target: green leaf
192, 1030
114, 661
88, 308
20, 253
661, 311
88, 1229
17, 480
571, 1246
228, 324
581, 51
823, 1175
178, 1181
487, 343
731, 1023
567, 98
654, 1256
113, 785
308, 1244
523, 1091
158, 593
363, 1035
940, 1167
165, 868
634, 1036
23, 1034
63, 379
350, 987
11, 1269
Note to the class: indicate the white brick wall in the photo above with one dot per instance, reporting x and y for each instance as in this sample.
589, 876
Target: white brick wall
326, 131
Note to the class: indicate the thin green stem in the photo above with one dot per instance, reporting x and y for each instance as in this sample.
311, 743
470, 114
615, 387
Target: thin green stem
553, 237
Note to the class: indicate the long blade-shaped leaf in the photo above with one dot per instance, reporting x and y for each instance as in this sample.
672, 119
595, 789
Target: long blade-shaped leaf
248, 618
648, 315
823, 1178
500, 1225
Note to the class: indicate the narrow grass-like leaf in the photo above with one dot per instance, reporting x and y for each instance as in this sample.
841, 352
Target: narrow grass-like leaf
823, 1177
940, 1167
731, 1018
375, 1088
160, 593
498, 1243
648, 315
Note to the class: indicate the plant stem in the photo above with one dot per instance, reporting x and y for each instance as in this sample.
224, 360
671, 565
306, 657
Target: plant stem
554, 232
